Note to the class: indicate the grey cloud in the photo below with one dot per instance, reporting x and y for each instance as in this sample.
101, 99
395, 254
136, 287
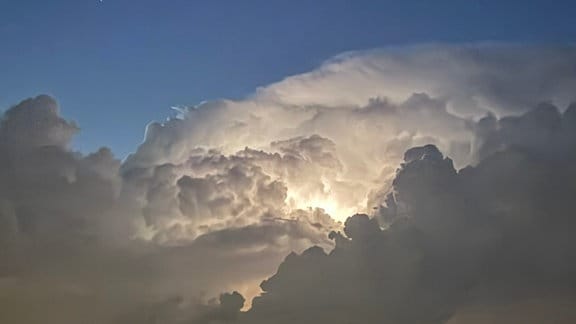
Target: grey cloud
35, 123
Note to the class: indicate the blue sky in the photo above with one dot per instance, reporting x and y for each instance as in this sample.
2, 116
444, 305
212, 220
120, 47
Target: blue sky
118, 64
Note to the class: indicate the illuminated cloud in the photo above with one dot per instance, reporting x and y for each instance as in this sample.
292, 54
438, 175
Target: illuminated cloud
492, 241
473, 78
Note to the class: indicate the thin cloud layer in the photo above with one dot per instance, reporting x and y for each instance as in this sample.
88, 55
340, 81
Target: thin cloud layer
216, 197
473, 79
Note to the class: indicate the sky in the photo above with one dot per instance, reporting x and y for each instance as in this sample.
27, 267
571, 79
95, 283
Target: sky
116, 65
338, 162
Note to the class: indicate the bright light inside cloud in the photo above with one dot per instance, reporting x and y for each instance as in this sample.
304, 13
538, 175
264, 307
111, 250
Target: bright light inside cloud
325, 201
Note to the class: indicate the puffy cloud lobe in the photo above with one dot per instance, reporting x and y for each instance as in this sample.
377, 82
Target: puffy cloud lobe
55, 212
314, 152
35, 123
46, 188
212, 192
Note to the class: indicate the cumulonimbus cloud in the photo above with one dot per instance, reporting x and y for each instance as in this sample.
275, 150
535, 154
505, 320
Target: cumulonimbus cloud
497, 233
215, 198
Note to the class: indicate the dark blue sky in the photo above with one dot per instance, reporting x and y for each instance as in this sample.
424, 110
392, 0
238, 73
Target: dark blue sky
118, 64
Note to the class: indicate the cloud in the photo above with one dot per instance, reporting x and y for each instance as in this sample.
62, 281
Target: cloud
472, 78
73, 227
499, 233
216, 197
372, 106
35, 123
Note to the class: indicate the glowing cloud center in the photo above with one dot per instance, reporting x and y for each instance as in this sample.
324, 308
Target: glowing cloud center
325, 201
